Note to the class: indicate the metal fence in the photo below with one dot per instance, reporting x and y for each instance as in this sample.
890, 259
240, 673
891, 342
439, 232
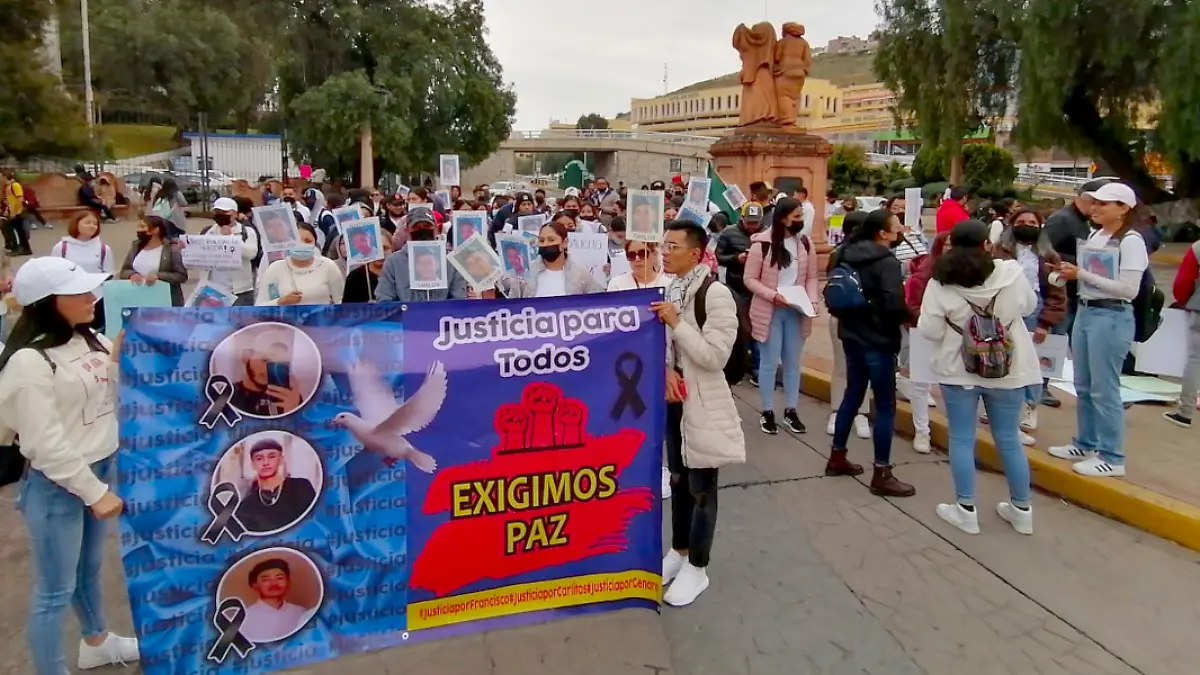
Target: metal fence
613, 135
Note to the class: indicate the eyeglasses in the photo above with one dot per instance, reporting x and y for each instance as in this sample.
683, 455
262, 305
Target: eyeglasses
640, 254
671, 247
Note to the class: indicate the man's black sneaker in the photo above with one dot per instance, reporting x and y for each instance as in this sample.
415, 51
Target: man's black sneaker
1049, 400
766, 422
754, 380
1178, 420
792, 421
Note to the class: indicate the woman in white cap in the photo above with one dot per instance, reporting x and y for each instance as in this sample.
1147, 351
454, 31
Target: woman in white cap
238, 283
1111, 265
58, 382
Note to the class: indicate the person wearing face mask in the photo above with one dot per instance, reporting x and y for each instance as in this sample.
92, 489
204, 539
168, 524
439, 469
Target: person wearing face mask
393, 283
616, 236
523, 206
1024, 241
154, 258
393, 216
605, 199
289, 198
539, 199
781, 257
552, 274
733, 249
241, 282
571, 206
304, 277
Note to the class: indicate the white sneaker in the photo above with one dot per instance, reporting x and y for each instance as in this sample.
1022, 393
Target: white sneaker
1070, 452
832, 424
672, 563
921, 444
115, 650
1098, 468
1026, 439
688, 586
666, 483
1020, 519
862, 427
956, 515
1029, 419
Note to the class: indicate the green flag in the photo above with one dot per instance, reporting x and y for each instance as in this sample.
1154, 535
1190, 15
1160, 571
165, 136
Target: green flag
716, 194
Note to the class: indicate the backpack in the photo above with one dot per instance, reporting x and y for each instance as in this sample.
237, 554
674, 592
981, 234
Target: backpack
258, 253
31, 200
844, 291
12, 462
987, 348
738, 363
103, 252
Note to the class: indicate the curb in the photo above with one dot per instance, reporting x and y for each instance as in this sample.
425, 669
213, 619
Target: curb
1136, 506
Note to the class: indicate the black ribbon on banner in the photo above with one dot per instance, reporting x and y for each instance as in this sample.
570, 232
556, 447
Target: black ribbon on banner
629, 369
223, 503
219, 391
228, 619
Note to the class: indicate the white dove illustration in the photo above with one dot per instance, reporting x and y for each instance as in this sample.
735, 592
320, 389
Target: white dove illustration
384, 423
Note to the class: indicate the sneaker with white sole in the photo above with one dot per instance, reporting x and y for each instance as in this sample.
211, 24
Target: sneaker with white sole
688, 586
862, 427
1178, 420
956, 515
1020, 519
1029, 419
1070, 452
921, 444
114, 651
1098, 468
672, 563
666, 483
1026, 439
830, 427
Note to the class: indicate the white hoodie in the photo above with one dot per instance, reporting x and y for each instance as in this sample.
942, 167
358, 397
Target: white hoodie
92, 255
1015, 299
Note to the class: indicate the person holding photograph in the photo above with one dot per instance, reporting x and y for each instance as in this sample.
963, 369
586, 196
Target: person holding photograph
426, 266
394, 281
304, 277
522, 206
363, 281
552, 274
644, 268
154, 258
643, 216
781, 256
513, 258
363, 243
58, 393
1103, 331
241, 282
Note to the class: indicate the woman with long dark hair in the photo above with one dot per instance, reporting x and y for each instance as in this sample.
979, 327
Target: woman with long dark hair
1110, 269
862, 426
920, 393
553, 274
58, 382
778, 258
154, 258
972, 293
169, 205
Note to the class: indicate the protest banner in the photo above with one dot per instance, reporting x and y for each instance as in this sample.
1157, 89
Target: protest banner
218, 252
121, 295
305, 484
587, 249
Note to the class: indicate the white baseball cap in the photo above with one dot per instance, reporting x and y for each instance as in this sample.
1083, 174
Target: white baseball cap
225, 204
1115, 192
41, 278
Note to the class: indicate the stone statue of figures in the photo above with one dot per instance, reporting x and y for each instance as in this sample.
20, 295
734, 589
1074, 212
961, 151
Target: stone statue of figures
793, 60
757, 49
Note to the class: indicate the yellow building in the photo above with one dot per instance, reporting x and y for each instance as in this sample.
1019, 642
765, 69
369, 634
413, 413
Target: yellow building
710, 108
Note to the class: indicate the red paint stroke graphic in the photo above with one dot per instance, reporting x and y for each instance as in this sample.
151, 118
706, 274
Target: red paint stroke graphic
549, 495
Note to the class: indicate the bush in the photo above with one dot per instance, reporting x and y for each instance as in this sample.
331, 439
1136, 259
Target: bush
930, 165
988, 166
932, 190
899, 186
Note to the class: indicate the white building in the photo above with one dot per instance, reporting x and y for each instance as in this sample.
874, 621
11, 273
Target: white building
247, 156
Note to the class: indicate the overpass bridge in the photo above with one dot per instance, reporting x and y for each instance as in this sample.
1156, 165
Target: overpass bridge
636, 157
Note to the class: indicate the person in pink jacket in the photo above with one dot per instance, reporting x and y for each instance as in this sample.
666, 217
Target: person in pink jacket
779, 258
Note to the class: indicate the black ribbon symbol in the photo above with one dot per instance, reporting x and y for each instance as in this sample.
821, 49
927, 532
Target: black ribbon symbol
223, 503
228, 620
219, 391
629, 374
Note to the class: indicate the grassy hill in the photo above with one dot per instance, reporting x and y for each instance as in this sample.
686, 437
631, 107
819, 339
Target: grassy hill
132, 140
842, 70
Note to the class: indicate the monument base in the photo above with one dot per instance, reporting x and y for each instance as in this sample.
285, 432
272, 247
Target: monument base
784, 157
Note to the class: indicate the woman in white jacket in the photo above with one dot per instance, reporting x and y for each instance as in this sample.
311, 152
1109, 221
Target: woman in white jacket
967, 283
238, 283
83, 246
304, 277
58, 382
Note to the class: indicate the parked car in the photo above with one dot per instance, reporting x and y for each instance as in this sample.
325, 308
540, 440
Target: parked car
869, 204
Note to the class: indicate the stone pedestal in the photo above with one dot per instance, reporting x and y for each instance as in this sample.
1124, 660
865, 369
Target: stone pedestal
783, 157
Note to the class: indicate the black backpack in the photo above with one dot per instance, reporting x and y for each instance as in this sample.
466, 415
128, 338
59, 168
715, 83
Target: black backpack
12, 462
738, 363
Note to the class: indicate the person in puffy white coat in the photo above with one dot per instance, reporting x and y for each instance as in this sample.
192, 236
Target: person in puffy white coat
704, 431
968, 281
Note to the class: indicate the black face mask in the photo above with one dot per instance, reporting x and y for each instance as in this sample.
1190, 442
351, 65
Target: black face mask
540, 200
574, 213
1027, 234
895, 243
223, 219
422, 234
290, 200
143, 237
794, 228
549, 253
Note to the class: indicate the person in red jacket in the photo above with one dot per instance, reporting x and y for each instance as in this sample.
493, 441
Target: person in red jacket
1186, 292
953, 210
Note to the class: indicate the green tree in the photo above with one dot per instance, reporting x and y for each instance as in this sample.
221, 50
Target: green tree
986, 165
592, 121
929, 166
848, 168
37, 116
1084, 76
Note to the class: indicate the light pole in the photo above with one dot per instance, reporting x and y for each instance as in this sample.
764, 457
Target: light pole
89, 100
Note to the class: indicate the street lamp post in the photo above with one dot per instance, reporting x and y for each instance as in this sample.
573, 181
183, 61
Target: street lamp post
89, 100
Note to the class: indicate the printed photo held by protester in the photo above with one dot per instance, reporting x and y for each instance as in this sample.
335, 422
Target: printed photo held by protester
154, 258
781, 257
870, 336
58, 382
973, 312
702, 321
362, 281
1104, 330
394, 279
1065, 228
302, 277
239, 283
552, 274
862, 426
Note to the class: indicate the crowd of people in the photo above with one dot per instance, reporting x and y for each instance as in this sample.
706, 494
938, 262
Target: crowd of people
739, 300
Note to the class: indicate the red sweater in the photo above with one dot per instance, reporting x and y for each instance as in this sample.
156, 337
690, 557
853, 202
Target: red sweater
1185, 278
949, 214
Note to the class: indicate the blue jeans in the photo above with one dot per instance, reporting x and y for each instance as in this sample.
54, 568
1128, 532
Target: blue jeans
874, 368
784, 344
1033, 392
1100, 341
1004, 408
68, 546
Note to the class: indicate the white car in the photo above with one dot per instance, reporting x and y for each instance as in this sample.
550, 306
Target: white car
869, 204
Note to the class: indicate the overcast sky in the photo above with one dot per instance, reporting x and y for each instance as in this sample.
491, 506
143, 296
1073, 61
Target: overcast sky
566, 62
